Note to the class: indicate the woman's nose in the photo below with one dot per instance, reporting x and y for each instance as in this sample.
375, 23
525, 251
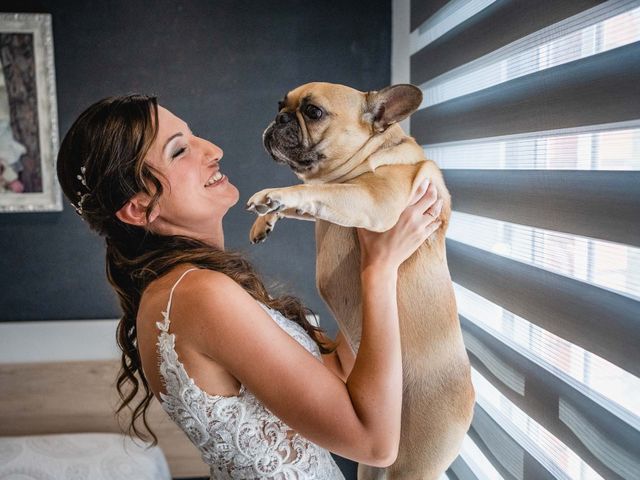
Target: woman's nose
213, 152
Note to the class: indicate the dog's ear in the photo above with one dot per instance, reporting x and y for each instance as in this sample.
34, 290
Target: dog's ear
391, 104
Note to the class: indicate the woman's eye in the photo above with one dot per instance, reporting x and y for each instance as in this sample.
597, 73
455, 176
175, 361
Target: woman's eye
313, 112
178, 152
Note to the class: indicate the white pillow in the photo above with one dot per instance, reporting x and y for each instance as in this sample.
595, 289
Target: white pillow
80, 456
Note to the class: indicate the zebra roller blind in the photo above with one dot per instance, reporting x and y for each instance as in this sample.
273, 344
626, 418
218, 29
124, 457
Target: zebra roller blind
532, 111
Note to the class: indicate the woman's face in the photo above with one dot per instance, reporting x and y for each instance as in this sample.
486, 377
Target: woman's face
198, 193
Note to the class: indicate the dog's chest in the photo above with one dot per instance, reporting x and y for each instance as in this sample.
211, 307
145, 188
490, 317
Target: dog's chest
338, 274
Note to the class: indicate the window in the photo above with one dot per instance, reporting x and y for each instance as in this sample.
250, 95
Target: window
532, 111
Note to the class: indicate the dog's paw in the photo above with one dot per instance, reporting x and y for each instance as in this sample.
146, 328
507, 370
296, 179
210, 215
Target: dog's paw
266, 201
262, 227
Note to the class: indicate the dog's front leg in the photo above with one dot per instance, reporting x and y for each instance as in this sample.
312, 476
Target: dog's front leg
358, 204
264, 224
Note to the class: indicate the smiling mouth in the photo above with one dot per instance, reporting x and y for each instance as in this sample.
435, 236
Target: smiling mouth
214, 179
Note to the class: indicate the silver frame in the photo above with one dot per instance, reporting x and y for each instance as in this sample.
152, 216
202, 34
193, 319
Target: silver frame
50, 199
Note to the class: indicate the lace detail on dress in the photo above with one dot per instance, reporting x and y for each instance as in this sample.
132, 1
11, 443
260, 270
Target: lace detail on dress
238, 437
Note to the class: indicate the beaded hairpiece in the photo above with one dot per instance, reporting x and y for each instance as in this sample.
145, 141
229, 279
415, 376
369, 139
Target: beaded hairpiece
82, 196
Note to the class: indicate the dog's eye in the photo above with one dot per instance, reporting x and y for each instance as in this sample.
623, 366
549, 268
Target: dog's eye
313, 112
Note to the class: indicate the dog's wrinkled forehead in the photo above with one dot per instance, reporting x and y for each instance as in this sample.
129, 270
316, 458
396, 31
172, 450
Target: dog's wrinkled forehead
331, 96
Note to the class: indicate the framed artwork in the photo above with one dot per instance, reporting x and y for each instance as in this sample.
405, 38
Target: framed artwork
28, 115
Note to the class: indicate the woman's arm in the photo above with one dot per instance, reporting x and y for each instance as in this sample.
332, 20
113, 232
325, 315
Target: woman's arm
359, 420
375, 382
341, 360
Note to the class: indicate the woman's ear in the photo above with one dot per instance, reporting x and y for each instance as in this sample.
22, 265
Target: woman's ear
134, 211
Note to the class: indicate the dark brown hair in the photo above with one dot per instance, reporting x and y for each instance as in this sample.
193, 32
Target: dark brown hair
110, 140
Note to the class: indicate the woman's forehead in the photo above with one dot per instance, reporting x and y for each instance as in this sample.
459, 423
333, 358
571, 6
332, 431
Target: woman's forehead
168, 121
169, 124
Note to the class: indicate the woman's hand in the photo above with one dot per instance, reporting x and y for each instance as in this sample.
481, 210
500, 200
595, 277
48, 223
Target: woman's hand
416, 223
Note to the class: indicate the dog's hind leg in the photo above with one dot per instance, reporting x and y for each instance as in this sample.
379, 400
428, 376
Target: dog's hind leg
367, 472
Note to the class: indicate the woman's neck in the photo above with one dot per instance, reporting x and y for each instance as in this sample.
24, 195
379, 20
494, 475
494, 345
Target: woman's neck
213, 236
216, 239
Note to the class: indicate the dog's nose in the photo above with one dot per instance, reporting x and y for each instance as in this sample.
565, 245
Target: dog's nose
284, 117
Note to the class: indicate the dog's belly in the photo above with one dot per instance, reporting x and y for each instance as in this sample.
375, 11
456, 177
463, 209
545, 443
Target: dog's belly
338, 276
438, 396
426, 301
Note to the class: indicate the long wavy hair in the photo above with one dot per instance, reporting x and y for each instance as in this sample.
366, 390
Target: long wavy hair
101, 165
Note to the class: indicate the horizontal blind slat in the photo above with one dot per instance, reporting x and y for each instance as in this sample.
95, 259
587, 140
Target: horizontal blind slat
543, 392
596, 204
595, 319
612, 266
446, 19
477, 461
602, 88
423, 10
611, 146
499, 24
510, 458
459, 470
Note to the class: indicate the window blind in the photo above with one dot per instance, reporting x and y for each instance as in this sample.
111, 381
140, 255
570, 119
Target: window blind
532, 111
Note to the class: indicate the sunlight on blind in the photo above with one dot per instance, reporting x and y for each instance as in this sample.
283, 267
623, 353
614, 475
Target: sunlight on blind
605, 147
610, 386
559, 459
477, 462
612, 266
446, 19
596, 33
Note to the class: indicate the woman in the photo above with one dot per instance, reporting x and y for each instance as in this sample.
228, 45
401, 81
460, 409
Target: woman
260, 391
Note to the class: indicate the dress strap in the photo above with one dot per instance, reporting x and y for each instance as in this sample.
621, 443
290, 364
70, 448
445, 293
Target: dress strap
164, 326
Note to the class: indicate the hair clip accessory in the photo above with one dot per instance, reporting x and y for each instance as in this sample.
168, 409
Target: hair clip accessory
78, 207
82, 196
82, 177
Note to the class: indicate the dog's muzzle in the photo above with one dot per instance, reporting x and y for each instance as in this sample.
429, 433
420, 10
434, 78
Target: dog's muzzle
283, 140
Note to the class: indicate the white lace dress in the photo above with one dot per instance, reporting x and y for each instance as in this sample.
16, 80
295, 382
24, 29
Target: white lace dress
238, 437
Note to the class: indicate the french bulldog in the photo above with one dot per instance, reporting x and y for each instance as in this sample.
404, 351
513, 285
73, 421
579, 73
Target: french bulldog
359, 169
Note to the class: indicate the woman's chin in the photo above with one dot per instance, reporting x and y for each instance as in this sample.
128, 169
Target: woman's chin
236, 194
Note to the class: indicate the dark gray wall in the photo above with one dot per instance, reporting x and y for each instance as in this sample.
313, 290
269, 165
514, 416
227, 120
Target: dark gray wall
221, 66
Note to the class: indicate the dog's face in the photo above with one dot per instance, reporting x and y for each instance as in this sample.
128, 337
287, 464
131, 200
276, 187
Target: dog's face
319, 126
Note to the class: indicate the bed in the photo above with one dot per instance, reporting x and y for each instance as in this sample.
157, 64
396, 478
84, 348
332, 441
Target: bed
57, 421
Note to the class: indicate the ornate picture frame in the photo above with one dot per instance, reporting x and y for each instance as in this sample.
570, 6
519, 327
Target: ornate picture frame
28, 115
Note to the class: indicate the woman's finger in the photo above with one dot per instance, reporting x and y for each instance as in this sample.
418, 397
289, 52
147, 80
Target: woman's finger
432, 227
428, 198
422, 188
435, 209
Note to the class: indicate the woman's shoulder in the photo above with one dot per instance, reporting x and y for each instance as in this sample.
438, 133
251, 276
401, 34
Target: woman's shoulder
200, 301
204, 301
187, 275
194, 289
